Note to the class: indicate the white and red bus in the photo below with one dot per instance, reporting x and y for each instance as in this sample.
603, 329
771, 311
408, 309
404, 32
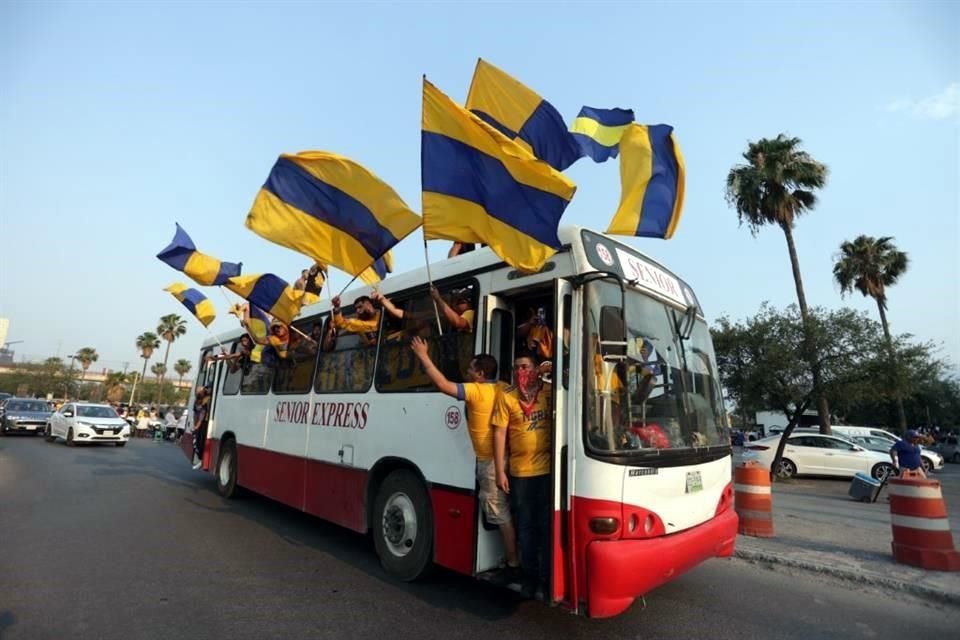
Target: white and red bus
357, 435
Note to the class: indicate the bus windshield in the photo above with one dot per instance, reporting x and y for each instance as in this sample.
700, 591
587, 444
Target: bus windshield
659, 392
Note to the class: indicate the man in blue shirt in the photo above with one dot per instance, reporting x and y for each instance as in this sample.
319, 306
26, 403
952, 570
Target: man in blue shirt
906, 455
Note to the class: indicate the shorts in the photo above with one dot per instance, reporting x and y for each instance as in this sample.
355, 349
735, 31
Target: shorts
493, 501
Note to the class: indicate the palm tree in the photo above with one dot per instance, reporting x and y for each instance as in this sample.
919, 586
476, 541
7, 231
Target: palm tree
182, 367
870, 265
158, 369
113, 385
86, 356
776, 186
146, 342
170, 328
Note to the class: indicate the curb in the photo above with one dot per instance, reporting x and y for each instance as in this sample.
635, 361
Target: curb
939, 596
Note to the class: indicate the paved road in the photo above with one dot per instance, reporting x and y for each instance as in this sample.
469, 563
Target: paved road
130, 543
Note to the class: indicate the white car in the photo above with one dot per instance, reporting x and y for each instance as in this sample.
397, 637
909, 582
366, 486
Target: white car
84, 422
814, 454
882, 441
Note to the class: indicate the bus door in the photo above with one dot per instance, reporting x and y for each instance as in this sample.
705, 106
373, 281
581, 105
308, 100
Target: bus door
497, 339
563, 571
206, 376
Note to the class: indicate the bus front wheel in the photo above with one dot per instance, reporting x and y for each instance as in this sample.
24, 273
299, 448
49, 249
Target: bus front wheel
403, 526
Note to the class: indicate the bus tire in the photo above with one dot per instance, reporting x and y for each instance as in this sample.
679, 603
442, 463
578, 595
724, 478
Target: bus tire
227, 470
403, 526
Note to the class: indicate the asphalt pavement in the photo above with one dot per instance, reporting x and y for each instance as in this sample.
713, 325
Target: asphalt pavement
131, 543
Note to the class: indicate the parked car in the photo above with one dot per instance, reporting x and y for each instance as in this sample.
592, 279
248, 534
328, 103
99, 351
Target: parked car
881, 440
85, 422
949, 447
814, 454
929, 458
24, 415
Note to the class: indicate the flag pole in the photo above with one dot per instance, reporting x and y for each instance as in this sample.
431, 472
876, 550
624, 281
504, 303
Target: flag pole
426, 258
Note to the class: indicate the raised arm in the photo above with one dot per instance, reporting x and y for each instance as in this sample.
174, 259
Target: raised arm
384, 301
419, 348
455, 319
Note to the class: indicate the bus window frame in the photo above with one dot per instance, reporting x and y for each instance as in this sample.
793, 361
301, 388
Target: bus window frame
345, 312
228, 374
306, 322
405, 295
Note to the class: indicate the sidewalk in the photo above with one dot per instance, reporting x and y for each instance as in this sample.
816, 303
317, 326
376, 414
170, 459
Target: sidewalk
821, 530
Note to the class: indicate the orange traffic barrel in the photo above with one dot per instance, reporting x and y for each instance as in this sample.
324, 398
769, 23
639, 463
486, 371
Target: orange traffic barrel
921, 530
753, 500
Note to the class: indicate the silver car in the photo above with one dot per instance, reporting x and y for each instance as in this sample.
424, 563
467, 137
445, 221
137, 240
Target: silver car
949, 447
24, 415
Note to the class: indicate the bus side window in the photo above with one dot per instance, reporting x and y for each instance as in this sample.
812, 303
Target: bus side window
233, 375
296, 374
398, 368
256, 379
345, 364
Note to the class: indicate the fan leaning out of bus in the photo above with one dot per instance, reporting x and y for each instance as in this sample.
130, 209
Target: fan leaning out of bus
479, 394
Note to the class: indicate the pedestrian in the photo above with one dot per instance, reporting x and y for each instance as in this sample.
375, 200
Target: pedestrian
479, 394
905, 454
521, 417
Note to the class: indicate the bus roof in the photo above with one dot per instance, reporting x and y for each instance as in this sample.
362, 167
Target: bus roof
481, 259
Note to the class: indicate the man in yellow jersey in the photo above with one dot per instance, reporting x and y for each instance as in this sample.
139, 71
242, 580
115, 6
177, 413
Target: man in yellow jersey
521, 415
364, 324
479, 394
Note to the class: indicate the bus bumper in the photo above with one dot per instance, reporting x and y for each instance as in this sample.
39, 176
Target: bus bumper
612, 587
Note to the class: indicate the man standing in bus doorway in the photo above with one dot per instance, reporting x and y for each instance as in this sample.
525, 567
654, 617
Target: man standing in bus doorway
521, 414
201, 408
479, 393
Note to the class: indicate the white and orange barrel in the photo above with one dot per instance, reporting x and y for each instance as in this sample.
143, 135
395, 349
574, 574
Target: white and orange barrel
921, 530
753, 500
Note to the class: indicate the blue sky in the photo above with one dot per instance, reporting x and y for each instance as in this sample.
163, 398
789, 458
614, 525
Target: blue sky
118, 119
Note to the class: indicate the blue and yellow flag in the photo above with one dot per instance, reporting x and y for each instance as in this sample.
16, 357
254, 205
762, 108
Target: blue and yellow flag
652, 181
182, 255
479, 186
331, 209
519, 113
270, 293
378, 270
257, 325
598, 131
196, 302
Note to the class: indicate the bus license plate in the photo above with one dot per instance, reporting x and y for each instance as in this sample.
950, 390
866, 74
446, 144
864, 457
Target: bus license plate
694, 481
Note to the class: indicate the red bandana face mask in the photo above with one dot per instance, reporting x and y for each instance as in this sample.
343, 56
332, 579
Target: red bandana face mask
524, 377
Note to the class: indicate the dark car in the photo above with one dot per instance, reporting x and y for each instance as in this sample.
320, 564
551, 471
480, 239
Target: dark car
24, 415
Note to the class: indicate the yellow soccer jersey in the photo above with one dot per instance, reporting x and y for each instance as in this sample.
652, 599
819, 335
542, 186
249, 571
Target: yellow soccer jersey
367, 329
469, 315
528, 438
479, 398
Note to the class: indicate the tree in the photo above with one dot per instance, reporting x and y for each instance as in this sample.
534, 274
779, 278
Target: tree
870, 265
776, 186
86, 356
146, 342
158, 369
170, 328
760, 360
182, 367
113, 385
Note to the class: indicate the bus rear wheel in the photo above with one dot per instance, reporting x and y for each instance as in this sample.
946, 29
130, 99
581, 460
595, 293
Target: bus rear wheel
403, 526
227, 470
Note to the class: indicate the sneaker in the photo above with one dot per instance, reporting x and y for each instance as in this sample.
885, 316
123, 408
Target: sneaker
507, 576
197, 465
